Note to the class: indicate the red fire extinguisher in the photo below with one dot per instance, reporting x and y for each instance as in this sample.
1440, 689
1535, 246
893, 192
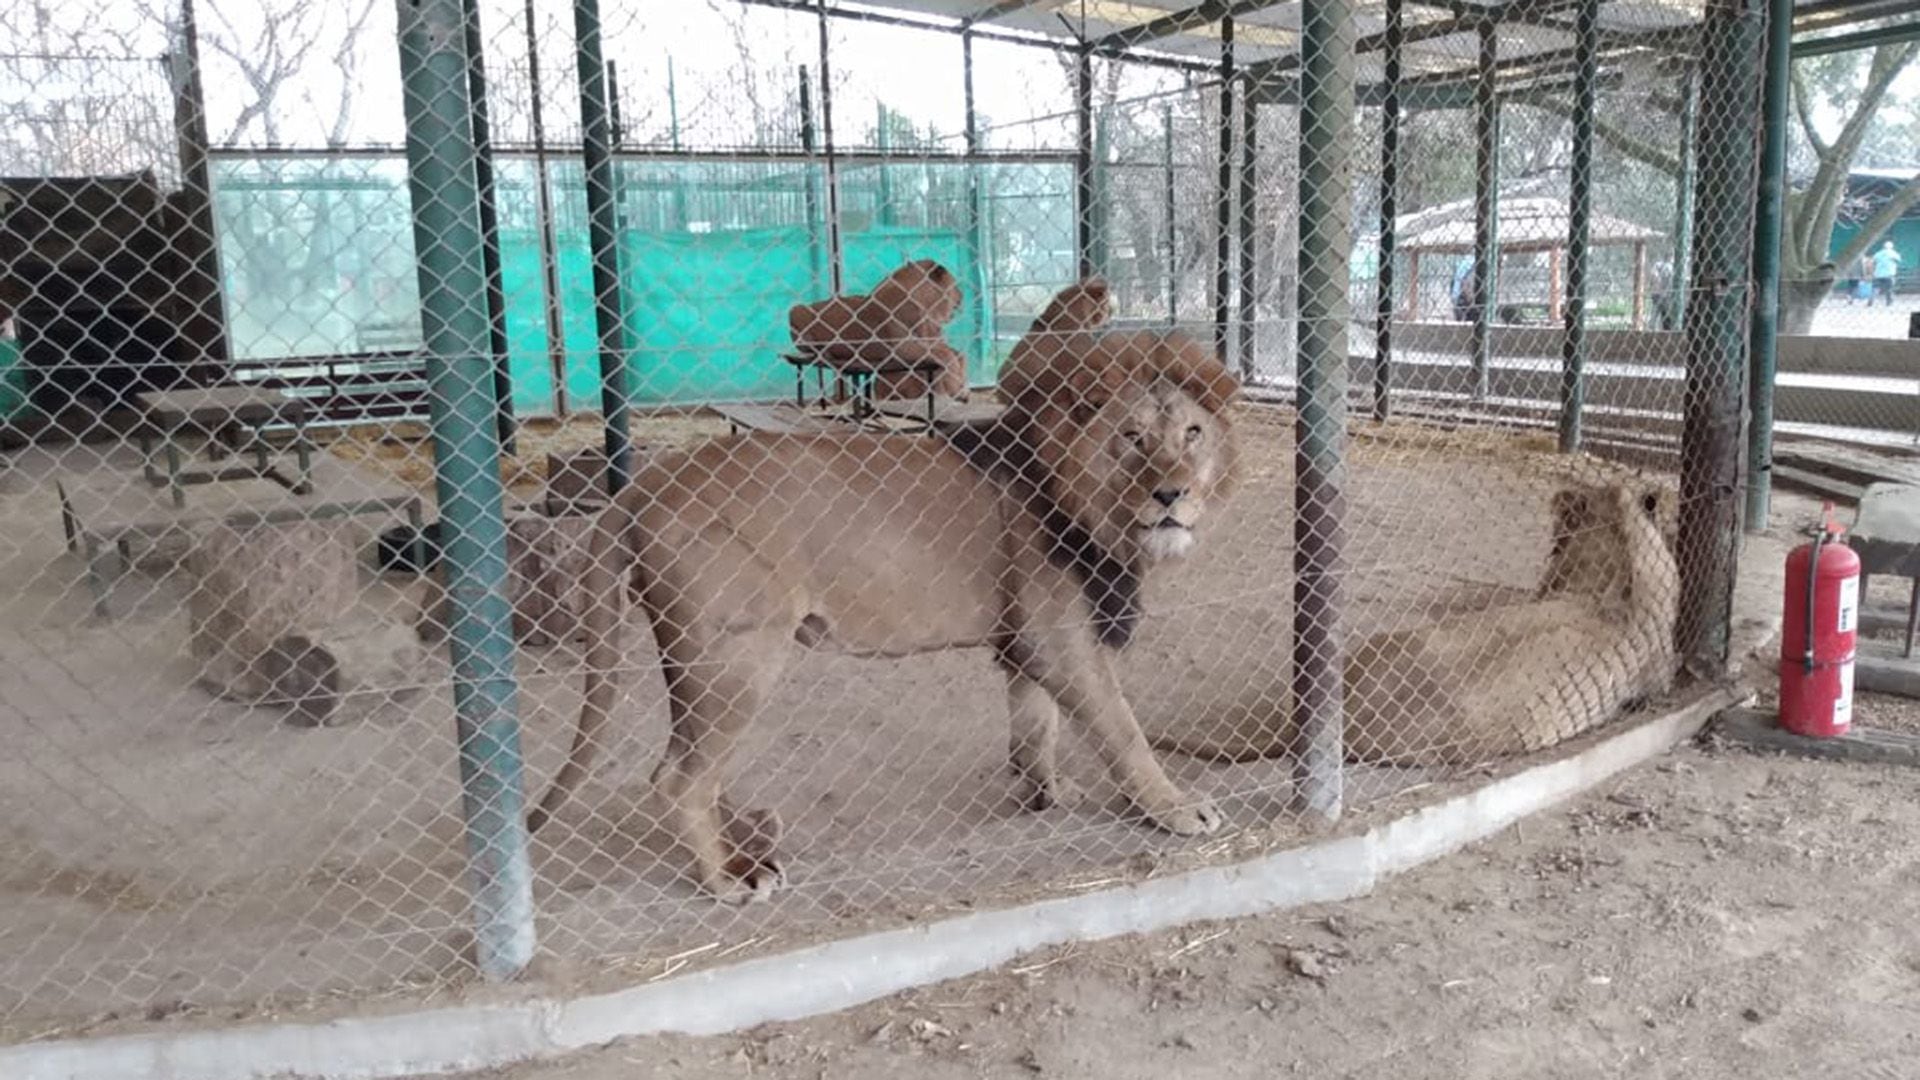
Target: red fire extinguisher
1818, 631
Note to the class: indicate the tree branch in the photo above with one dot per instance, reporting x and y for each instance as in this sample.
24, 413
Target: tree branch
1829, 183
1803, 108
1881, 220
1641, 150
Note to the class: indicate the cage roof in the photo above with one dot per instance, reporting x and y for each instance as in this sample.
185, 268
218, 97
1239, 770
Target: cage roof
1527, 223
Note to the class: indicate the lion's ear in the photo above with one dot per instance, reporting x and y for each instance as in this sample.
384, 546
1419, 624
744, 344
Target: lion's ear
1572, 513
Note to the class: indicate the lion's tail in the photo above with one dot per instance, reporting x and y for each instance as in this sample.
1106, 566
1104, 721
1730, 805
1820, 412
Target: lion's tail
605, 590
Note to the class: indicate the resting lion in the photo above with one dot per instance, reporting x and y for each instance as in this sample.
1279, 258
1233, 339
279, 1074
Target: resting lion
1487, 684
1030, 538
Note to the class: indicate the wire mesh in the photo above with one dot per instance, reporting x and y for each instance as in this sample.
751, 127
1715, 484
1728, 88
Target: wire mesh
927, 370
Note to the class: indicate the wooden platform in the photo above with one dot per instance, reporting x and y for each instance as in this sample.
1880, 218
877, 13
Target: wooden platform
782, 418
105, 510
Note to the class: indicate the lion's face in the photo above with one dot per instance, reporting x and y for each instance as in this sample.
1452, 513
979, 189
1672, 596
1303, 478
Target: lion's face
1138, 466
1588, 554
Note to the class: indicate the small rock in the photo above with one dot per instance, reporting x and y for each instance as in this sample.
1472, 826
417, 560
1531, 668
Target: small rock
882, 1035
999, 1008
929, 1030
1302, 962
1182, 1042
1029, 1061
1750, 1015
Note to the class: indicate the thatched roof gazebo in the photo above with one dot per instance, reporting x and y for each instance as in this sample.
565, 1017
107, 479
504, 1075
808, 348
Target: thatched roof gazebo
1528, 224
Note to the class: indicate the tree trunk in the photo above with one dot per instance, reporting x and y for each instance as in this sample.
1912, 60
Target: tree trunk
1800, 297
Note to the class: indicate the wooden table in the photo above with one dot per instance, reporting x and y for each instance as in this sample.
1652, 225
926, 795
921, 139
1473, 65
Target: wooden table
236, 419
857, 376
1886, 536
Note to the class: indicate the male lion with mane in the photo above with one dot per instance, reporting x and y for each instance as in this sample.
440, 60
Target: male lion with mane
1030, 537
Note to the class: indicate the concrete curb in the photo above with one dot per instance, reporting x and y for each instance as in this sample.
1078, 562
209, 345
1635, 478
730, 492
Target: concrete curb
841, 974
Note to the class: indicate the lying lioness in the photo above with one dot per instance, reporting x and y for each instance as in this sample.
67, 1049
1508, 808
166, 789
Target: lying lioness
1487, 684
1031, 539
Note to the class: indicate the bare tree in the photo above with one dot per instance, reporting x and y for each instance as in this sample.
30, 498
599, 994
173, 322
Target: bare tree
277, 53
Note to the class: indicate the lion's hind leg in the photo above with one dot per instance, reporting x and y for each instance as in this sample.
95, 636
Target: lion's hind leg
714, 692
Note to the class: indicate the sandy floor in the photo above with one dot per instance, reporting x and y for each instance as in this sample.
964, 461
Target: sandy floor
163, 853
1715, 916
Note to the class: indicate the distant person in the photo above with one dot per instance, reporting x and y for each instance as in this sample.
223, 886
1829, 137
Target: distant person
1462, 293
1860, 282
1886, 266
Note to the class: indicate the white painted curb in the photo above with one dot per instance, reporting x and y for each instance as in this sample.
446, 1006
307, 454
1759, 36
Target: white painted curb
841, 974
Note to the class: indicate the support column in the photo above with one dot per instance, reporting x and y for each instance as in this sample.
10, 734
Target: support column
484, 188
1172, 212
203, 320
1486, 208
1223, 199
440, 179
1394, 40
1769, 211
1248, 194
543, 191
1083, 196
1681, 283
609, 305
1320, 427
976, 208
816, 254
1573, 340
1733, 44
835, 261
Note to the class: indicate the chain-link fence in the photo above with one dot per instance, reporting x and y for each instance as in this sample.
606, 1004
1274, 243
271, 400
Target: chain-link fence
1049, 445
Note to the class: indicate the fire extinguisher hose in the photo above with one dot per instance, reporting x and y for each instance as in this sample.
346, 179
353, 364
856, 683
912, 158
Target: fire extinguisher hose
1813, 585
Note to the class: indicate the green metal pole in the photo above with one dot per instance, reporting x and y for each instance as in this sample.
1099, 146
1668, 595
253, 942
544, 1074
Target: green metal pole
1573, 341
440, 177
543, 206
816, 260
883, 138
1732, 52
1486, 208
609, 305
1083, 187
1769, 210
1244, 266
1389, 211
1172, 212
1682, 283
1223, 199
1320, 425
976, 206
484, 186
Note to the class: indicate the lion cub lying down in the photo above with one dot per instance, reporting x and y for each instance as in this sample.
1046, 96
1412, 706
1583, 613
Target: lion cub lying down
1487, 684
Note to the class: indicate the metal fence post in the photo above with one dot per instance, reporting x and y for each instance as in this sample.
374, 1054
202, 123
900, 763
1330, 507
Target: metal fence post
1682, 281
543, 207
1248, 197
1486, 208
1083, 193
484, 189
1768, 210
1393, 38
1573, 341
1732, 42
609, 306
1223, 206
1326, 143
440, 176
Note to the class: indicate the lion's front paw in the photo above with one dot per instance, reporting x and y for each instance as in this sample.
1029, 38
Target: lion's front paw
1038, 795
1196, 818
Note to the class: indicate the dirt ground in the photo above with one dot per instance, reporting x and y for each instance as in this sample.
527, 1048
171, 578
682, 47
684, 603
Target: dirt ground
1718, 915
166, 856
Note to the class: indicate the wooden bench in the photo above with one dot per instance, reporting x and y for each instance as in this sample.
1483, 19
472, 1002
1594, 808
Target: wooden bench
1886, 536
781, 419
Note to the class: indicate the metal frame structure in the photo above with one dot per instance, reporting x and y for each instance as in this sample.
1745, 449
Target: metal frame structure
447, 153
